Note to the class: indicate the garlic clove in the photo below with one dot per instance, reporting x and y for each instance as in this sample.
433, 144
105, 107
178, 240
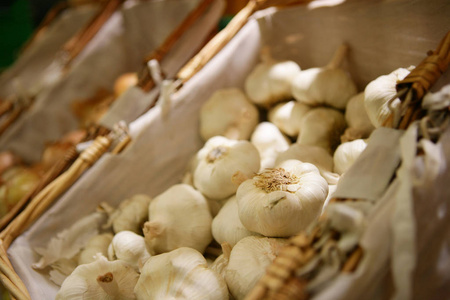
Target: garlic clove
227, 227
358, 122
101, 279
347, 153
180, 274
229, 113
287, 116
380, 95
220, 159
97, 244
248, 261
178, 217
129, 247
282, 201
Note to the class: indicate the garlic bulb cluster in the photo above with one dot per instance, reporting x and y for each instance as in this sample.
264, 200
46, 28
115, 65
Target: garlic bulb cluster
168, 227
270, 81
380, 95
346, 154
282, 201
248, 262
180, 274
219, 160
288, 116
358, 122
229, 113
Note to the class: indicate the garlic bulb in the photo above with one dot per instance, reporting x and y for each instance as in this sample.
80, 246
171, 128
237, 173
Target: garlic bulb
282, 201
322, 127
315, 155
269, 141
346, 154
287, 116
379, 93
97, 244
358, 122
131, 214
227, 227
220, 159
101, 279
178, 217
229, 113
270, 81
248, 262
180, 274
129, 247
329, 85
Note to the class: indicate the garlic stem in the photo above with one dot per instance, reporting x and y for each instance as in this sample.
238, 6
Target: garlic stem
338, 57
109, 285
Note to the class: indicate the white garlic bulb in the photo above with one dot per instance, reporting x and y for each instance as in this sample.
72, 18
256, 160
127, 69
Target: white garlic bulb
287, 116
315, 155
346, 154
379, 93
229, 113
269, 141
270, 81
178, 217
227, 227
180, 274
358, 122
248, 262
220, 159
281, 202
329, 85
96, 244
101, 279
322, 126
129, 247
131, 214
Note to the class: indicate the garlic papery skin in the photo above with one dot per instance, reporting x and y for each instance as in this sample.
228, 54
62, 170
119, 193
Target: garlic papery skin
220, 264
178, 217
287, 116
322, 127
269, 141
315, 155
270, 82
248, 262
227, 227
229, 113
358, 122
97, 244
180, 274
101, 279
220, 159
346, 154
131, 214
129, 247
282, 201
380, 96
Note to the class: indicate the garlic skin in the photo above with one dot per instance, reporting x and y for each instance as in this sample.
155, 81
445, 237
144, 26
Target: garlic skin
248, 262
323, 86
281, 202
101, 279
227, 227
346, 154
315, 155
131, 214
97, 244
220, 159
378, 94
322, 127
229, 113
180, 274
269, 141
270, 82
220, 264
178, 217
358, 122
130, 248
287, 116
